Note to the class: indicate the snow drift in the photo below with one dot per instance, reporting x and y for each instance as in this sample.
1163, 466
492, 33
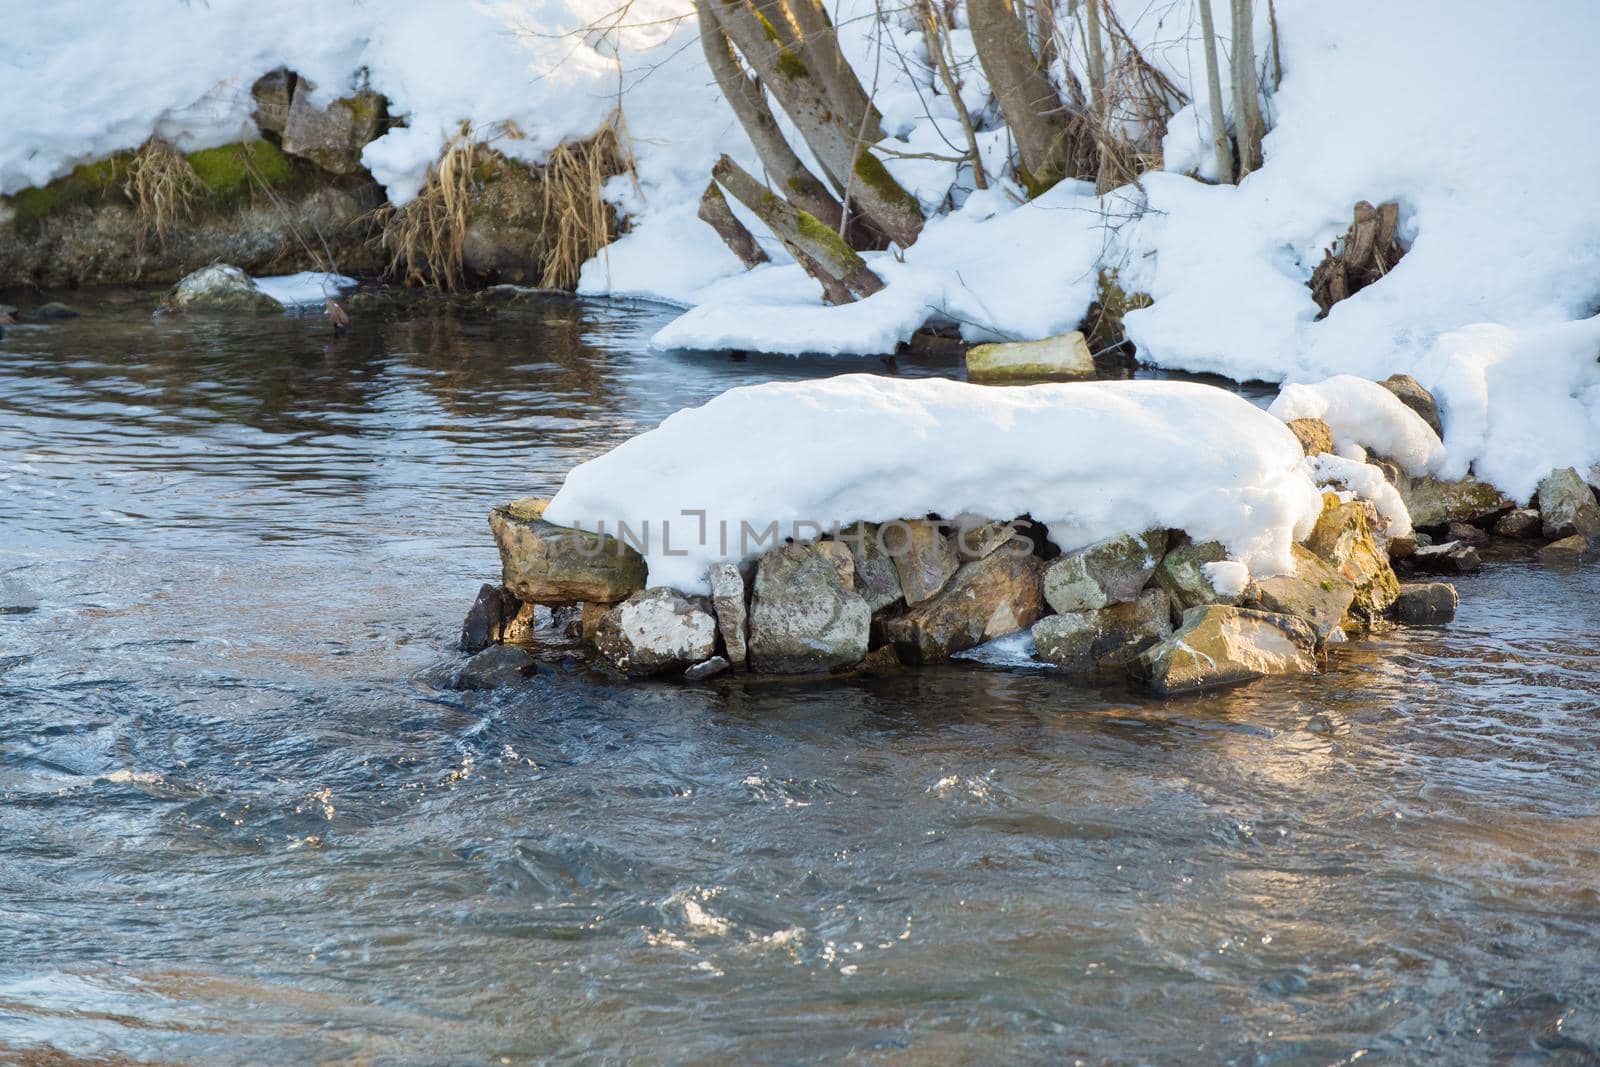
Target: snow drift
1089, 460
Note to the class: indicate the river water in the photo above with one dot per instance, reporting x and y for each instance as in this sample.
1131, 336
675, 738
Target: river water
241, 821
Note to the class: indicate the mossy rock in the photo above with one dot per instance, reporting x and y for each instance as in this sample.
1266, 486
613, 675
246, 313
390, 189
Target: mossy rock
89, 183
228, 170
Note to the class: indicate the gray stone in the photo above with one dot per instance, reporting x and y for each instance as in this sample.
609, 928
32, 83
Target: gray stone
977, 537
1106, 639
1452, 557
332, 137
53, 310
705, 669
924, 558
1566, 551
1567, 506
495, 668
988, 598
657, 630
803, 618
273, 94
1401, 546
220, 287
1182, 574
1431, 502
876, 578
1519, 524
1315, 592
727, 600
1411, 393
1314, 435
1425, 603
1221, 646
1112, 571
543, 563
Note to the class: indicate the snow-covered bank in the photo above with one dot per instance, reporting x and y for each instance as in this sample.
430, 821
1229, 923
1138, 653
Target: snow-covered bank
1491, 308
307, 287
1088, 460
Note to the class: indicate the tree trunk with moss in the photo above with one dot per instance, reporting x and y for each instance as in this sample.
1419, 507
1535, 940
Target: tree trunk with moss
1038, 118
808, 76
715, 212
844, 275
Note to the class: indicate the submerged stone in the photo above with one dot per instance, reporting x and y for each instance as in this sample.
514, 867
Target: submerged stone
1062, 356
220, 287
988, 598
706, 669
543, 563
1426, 603
803, 617
1566, 551
495, 668
657, 630
487, 620
1221, 646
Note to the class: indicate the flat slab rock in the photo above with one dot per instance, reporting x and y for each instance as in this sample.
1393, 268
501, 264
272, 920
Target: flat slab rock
542, 563
1220, 646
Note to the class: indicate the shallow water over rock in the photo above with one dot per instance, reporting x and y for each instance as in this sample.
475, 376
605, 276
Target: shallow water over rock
238, 820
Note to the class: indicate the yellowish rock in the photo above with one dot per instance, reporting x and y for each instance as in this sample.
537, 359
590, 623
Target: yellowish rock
1062, 356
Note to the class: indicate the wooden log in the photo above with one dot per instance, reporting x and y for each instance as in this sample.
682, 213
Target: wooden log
715, 212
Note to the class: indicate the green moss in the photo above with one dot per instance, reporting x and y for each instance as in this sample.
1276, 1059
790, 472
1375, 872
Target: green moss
88, 183
790, 65
875, 176
812, 229
227, 171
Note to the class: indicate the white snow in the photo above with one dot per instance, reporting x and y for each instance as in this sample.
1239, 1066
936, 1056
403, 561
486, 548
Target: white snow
1366, 481
1227, 576
1363, 413
307, 287
1471, 114
1089, 460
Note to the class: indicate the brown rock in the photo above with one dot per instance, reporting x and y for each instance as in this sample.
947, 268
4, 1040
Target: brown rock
542, 563
1467, 534
1519, 524
988, 598
1220, 646
332, 138
1106, 639
876, 578
1425, 603
1566, 551
1432, 502
1343, 538
1451, 557
924, 558
1411, 393
1314, 434
1315, 592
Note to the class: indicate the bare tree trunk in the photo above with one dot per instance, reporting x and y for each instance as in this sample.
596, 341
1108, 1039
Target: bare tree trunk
1219, 129
1037, 118
844, 275
715, 212
768, 46
934, 32
1096, 56
819, 43
749, 103
1247, 125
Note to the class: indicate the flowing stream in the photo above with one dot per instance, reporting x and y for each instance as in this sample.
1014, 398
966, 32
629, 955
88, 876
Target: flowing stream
242, 821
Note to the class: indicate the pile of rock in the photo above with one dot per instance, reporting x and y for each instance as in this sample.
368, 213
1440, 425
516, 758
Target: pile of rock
1156, 606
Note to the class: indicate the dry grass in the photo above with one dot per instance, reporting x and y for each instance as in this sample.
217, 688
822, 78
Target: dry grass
1102, 323
426, 239
163, 188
